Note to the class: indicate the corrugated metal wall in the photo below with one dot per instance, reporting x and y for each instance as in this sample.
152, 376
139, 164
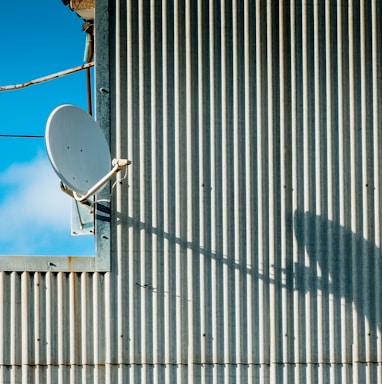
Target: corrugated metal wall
246, 239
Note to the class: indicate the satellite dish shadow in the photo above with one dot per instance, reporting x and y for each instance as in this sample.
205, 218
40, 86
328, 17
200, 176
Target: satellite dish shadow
349, 266
339, 268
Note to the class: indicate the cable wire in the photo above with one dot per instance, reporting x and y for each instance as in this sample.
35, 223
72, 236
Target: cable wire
46, 78
118, 181
53, 76
21, 136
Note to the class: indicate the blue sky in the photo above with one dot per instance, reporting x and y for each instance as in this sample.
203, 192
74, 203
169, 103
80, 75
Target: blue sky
36, 39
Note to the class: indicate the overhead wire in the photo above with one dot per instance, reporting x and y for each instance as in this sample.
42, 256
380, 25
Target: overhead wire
40, 80
21, 136
46, 78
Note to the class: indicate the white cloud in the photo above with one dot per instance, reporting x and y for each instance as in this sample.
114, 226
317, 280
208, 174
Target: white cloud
33, 208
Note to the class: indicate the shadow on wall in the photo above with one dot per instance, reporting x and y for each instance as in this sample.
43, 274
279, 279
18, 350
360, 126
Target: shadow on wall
339, 268
343, 266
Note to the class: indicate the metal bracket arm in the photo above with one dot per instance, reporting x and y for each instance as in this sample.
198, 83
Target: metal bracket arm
118, 165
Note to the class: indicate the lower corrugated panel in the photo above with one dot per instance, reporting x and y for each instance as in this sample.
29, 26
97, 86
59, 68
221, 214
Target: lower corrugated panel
209, 373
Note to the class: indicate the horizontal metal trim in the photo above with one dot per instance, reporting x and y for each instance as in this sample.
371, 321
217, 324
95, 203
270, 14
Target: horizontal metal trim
52, 264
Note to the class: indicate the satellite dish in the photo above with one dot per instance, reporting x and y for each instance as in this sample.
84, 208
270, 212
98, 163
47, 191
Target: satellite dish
78, 151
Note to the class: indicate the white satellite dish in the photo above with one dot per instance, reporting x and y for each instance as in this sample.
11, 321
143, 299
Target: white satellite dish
79, 152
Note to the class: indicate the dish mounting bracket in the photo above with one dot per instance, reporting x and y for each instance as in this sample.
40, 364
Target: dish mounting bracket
82, 218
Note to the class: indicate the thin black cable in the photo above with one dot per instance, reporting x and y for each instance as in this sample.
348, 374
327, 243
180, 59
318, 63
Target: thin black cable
21, 136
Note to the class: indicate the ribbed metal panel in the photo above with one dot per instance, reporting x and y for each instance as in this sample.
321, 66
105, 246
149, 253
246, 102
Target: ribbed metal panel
246, 238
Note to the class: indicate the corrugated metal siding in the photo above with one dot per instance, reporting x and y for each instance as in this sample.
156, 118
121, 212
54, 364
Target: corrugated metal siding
246, 239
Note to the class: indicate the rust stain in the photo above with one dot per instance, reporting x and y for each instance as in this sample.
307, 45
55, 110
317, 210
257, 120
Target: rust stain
70, 263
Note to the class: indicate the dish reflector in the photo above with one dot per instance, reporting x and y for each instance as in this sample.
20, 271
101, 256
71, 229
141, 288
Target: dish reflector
77, 148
